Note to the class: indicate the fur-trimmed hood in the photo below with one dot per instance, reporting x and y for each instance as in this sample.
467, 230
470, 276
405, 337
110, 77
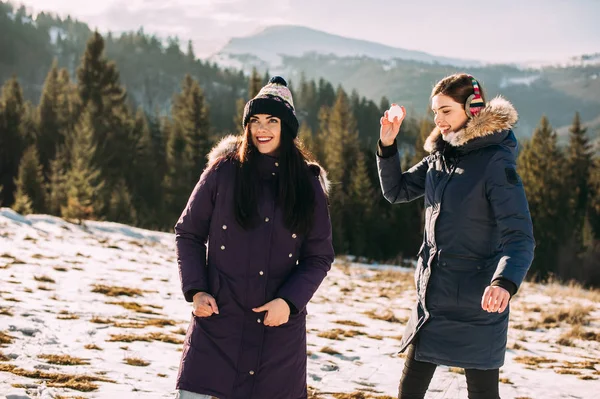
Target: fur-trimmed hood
498, 115
229, 145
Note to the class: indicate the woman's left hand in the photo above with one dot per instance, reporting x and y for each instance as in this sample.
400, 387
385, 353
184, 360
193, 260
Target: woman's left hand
495, 299
278, 312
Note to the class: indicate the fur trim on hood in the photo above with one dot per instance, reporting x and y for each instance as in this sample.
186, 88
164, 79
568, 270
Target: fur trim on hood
498, 115
229, 145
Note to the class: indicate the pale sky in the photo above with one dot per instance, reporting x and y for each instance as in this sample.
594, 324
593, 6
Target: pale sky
492, 31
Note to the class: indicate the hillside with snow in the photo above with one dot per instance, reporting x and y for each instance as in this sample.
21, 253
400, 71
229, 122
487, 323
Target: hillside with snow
95, 311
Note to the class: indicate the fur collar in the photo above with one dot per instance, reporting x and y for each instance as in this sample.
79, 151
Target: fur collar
229, 145
498, 115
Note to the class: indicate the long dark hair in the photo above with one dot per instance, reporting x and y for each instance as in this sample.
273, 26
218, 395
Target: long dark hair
458, 87
295, 189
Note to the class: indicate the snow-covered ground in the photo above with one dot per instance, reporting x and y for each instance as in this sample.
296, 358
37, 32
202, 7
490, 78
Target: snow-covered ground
108, 296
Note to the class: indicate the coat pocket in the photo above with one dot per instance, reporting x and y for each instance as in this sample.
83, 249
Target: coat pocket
472, 285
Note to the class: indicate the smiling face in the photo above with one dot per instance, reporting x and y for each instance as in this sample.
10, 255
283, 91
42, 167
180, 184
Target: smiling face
266, 133
450, 116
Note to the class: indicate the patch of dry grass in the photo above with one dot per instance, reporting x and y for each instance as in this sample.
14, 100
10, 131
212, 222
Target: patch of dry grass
350, 323
84, 383
153, 336
556, 289
12, 299
567, 371
180, 331
505, 380
60, 269
533, 360
392, 276
329, 351
5, 339
65, 315
457, 370
575, 314
578, 332
116, 291
44, 279
134, 361
385, 315
136, 307
3, 357
65, 360
339, 334
93, 347
5, 312
99, 320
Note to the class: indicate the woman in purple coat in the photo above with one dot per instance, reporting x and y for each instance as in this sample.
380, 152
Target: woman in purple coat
253, 246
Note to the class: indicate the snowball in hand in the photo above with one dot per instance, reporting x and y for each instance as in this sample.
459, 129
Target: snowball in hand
395, 110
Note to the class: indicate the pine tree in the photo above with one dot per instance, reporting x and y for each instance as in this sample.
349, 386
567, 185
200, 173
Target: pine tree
340, 149
359, 215
577, 168
12, 137
83, 181
256, 83
120, 207
426, 126
384, 105
145, 178
30, 184
305, 135
541, 166
191, 56
190, 116
53, 116
180, 175
594, 201
103, 97
239, 113
57, 184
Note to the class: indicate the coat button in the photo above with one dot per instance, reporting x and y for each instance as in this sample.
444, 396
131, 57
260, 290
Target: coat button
222, 247
276, 163
294, 235
444, 264
273, 173
261, 272
266, 219
258, 320
224, 227
290, 255
251, 372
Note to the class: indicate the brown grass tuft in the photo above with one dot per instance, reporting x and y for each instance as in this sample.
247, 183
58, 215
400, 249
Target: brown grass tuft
350, 323
329, 351
5, 339
65, 360
386, 315
134, 361
44, 279
154, 336
65, 315
134, 306
82, 383
116, 291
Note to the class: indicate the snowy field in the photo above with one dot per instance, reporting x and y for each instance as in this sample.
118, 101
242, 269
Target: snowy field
97, 312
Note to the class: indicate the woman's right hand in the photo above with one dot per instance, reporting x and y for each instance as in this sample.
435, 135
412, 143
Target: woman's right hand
389, 130
204, 305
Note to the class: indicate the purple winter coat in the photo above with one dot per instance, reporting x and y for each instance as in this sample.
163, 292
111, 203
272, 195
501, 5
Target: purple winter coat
232, 355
